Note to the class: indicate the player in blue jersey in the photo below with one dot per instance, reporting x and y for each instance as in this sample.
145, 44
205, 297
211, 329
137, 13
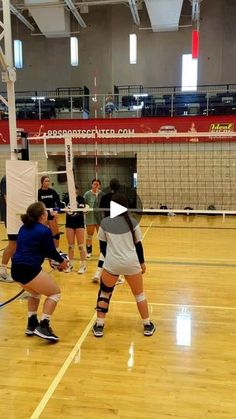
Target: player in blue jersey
34, 244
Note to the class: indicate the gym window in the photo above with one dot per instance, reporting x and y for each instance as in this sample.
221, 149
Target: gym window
18, 55
74, 51
189, 73
133, 48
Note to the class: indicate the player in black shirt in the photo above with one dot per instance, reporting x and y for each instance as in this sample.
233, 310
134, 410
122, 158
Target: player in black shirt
75, 229
51, 199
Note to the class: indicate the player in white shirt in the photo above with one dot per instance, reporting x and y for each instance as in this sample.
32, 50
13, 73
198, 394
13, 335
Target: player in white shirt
120, 243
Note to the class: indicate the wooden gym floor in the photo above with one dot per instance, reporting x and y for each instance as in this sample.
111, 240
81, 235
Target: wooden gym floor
186, 370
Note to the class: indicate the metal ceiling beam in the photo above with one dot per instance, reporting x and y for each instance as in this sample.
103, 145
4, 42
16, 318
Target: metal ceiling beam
75, 12
21, 17
134, 11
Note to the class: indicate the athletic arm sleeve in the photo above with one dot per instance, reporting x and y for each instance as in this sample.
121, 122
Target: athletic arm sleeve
49, 247
103, 247
139, 250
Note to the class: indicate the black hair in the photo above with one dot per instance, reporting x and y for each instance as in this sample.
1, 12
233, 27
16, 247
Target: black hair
96, 180
114, 185
33, 213
121, 199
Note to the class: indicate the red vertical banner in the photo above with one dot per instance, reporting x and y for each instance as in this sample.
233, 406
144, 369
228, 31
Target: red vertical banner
195, 43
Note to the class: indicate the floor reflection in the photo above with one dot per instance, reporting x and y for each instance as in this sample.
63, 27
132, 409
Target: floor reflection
183, 327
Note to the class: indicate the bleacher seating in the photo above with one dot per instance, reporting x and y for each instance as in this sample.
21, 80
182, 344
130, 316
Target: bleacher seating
172, 101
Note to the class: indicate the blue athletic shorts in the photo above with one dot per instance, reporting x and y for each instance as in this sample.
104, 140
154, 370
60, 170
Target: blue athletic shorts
24, 273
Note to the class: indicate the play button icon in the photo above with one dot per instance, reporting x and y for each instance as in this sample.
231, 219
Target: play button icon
116, 209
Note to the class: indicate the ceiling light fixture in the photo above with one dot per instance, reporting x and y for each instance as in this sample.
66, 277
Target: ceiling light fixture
134, 11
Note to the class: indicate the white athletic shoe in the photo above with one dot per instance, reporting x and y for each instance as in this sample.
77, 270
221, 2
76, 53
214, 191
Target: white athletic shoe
69, 269
96, 277
4, 277
82, 269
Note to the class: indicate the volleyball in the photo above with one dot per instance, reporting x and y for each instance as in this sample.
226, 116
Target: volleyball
55, 265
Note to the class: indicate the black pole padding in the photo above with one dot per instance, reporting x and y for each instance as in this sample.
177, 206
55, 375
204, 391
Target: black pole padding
24, 146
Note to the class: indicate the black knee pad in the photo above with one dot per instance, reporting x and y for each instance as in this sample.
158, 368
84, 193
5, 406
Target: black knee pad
107, 290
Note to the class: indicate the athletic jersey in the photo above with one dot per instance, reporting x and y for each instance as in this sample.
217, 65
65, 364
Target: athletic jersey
93, 200
121, 256
76, 220
49, 197
34, 244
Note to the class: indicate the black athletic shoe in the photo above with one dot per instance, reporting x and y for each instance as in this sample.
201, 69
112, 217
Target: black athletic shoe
98, 330
45, 331
149, 329
31, 326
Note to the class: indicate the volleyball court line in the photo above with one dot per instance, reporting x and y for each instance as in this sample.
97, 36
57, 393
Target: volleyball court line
189, 263
179, 305
147, 230
42, 404
172, 227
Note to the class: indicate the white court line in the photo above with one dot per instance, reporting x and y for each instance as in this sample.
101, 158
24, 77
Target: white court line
39, 409
188, 259
147, 230
179, 305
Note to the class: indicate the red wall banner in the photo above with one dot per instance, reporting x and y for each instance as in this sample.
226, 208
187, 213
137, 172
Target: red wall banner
79, 127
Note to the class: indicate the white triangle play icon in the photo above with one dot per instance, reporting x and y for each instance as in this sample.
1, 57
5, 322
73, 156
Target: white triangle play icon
116, 209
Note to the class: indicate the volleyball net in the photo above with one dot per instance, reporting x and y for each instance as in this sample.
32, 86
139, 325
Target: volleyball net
169, 171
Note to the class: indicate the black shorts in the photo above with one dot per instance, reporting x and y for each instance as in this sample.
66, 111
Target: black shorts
24, 273
12, 237
74, 222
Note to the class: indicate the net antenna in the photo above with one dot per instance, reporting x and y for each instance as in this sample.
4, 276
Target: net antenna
70, 174
8, 75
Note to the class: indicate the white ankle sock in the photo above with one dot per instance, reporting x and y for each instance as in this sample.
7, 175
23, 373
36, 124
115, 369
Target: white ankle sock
45, 317
31, 313
3, 269
100, 322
